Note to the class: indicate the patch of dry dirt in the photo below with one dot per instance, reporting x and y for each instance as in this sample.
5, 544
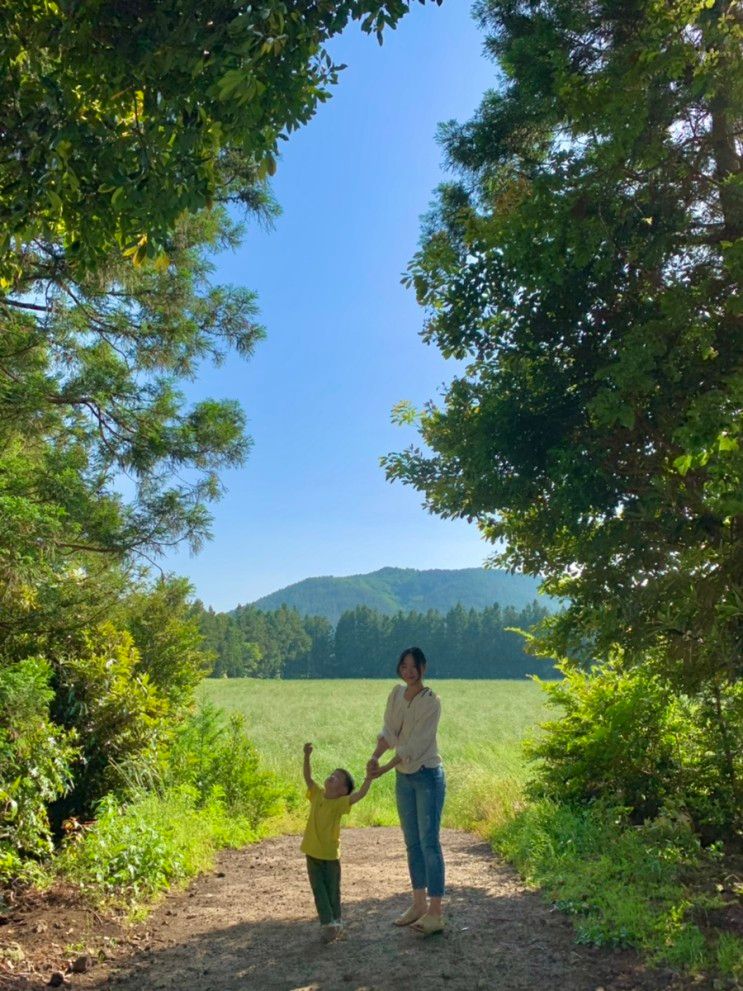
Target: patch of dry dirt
250, 925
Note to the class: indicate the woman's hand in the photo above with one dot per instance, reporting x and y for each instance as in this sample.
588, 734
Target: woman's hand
372, 768
381, 769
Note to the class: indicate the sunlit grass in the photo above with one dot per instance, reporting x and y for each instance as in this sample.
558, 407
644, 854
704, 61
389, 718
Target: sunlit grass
482, 726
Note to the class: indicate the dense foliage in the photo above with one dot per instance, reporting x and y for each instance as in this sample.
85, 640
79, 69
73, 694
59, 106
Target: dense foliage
462, 643
102, 462
35, 763
91, 718
210, 793
584, 267
621, 734
211, 754
650, 886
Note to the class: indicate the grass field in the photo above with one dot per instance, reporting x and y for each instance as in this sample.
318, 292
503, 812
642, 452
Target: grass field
482, 726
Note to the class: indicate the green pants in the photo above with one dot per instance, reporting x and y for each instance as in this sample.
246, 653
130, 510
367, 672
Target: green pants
325, 880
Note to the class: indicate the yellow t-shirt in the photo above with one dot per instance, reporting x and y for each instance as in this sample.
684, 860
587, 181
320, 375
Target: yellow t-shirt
322, 834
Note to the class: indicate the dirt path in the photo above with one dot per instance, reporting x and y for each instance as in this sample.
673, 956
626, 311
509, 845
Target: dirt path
249, 925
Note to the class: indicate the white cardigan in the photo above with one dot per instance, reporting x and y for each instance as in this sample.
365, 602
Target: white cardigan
410, 728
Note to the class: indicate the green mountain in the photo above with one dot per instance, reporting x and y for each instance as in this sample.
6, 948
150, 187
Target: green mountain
391, 590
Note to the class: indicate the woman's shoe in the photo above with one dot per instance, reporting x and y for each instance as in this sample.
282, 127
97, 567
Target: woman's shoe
408, 918
428, 924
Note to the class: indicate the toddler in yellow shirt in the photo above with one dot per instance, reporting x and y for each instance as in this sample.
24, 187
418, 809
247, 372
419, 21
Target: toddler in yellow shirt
321, 841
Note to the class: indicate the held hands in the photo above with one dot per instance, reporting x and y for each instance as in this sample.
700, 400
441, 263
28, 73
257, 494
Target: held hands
373, 769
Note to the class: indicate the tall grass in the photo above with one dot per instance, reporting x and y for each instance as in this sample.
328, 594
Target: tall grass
624, 885
212, 792
136, 849
482, 726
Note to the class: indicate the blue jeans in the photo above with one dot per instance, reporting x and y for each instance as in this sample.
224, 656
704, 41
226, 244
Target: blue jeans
420, 799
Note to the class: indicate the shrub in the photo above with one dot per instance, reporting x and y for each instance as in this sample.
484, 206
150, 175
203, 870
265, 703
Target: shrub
711, 749
35, 759
121, 719
211, 753
210, 793
167, 637
623, 884
136, 849
626, 738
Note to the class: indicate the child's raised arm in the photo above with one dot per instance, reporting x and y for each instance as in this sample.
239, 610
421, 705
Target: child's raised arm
306, 768
360, 792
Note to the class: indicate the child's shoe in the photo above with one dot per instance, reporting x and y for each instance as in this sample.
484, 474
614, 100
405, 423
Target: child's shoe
340, 932
328, 933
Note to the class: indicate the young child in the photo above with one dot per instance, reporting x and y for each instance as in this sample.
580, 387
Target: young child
321, 842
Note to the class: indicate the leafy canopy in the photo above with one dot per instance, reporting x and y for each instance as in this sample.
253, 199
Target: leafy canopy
584, 266
118, 117
102, 459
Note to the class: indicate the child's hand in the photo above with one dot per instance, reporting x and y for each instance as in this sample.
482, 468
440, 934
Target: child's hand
307, 749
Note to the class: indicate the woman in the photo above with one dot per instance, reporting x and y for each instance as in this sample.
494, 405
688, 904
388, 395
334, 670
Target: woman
410, 723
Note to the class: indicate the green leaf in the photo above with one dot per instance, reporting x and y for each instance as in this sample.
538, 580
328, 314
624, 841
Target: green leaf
627, 417
55, 200
727, 443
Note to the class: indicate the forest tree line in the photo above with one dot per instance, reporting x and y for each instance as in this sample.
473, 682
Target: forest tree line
365, 643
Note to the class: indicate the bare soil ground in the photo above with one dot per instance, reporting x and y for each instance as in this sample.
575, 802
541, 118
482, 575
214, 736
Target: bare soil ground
250, 925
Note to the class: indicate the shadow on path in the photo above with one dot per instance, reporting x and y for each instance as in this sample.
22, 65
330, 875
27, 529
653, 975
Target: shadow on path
250, 926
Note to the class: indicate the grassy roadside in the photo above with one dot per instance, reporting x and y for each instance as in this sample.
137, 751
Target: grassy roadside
651, 887
136, 850
213, 792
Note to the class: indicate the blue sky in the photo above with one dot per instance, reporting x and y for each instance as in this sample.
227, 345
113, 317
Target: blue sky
343, 335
